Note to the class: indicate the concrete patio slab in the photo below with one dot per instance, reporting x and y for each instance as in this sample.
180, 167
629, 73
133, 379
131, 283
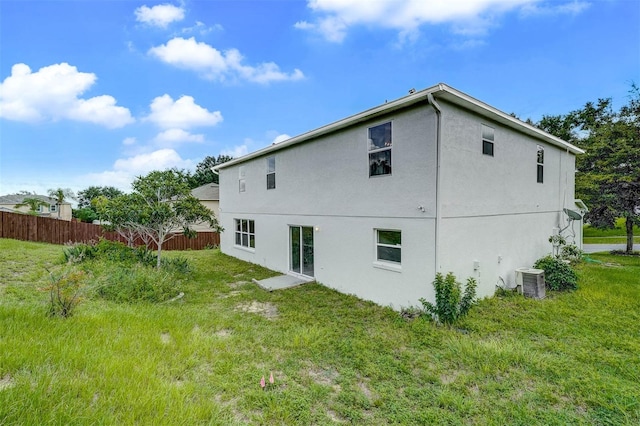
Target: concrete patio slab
282, 282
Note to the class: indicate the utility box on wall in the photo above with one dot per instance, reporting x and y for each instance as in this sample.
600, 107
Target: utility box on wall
531, 282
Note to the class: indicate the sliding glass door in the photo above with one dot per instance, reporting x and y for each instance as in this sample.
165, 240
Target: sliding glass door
301, 250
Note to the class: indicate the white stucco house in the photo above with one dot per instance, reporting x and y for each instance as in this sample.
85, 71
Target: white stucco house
377, 203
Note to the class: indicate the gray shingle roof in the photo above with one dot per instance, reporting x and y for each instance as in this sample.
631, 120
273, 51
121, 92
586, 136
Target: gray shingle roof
207, 192
14, 199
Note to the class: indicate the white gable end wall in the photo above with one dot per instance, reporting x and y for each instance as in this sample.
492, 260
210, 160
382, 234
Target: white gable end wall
496, 217
325, 184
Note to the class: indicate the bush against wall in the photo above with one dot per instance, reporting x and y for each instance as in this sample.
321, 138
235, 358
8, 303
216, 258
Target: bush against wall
451, 303
558, 274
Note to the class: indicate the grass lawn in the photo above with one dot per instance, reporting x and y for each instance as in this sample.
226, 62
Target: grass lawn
569, 359
617, 235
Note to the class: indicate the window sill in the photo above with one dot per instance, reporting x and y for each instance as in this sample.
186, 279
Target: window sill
243, 248
387, 266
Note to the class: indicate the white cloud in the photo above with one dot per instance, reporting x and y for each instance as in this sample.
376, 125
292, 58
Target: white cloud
335, 17
52, 93
213, 64
332, 28
236, 151
129, 141
280, 138
181, 114
571, 8
249, 145
125, 170
177, 136
157, 160
160, 15
201, 28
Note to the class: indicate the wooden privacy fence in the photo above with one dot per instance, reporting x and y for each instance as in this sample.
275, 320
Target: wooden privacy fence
54, 231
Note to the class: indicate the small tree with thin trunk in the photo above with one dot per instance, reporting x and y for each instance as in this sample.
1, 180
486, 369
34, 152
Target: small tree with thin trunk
121, 214
160, 207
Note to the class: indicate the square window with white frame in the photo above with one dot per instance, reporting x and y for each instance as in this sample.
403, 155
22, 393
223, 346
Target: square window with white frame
389, 246
380, 142
245, 233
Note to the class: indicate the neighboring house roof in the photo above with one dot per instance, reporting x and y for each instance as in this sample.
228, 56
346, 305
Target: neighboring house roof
207, 192
439, 91
19, 198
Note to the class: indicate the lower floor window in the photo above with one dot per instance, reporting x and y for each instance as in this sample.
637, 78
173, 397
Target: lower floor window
389, 245
245, 233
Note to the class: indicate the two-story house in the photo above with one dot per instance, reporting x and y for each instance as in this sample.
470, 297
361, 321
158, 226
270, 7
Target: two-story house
377, 203
47, 206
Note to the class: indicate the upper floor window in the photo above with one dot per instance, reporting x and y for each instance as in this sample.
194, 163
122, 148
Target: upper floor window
487, 140
245, 233
380, 149
271, 172
540, 161
53, 208
241, 182
388, 245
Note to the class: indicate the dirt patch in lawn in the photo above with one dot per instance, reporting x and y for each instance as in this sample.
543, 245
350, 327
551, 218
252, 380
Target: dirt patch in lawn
237, 284
267, 310
232, 293
325, 377
6, 382
364, 388
165, 337
225, 332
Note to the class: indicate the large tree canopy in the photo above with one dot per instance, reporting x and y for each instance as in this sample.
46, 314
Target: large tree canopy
203, 174
87, 210
608, 175
85, 197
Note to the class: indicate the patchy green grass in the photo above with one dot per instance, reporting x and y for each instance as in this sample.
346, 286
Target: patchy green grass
609, 240
617, 235
569, 359
619, 230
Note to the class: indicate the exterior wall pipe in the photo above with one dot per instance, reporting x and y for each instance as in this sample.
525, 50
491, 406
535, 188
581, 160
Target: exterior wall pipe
438, 111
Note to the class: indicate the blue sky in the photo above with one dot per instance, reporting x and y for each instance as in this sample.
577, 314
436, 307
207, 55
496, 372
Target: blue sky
98, 92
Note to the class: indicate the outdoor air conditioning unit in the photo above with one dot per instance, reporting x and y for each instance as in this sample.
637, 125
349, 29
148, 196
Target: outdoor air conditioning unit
531, 282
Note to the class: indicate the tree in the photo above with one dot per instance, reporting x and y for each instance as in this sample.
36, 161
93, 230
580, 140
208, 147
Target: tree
608, 176
85, 197
87, 210
60, 195
204, 174
160, 207
33, 203
86, 214
121, 214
